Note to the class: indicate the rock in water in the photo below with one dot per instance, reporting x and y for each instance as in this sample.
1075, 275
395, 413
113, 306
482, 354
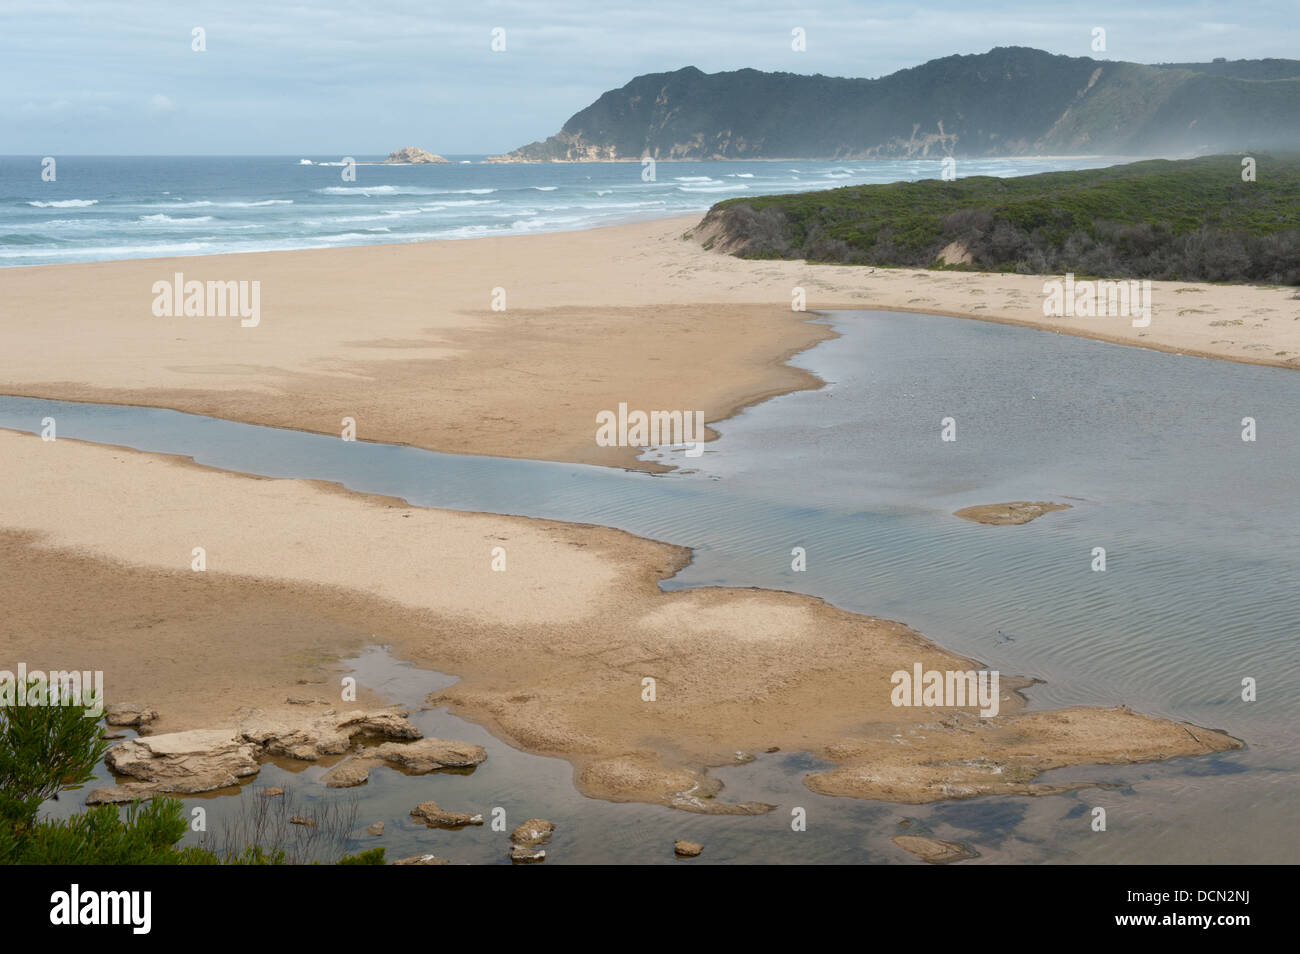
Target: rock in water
933, 850
687, 849
199, 760
323, 735
413, 154
435, 817
121, 794
422, 860
532, 832
426, 755
349, 774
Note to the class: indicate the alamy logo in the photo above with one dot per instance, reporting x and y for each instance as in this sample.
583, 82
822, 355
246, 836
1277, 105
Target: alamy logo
103, 907
948, 690
1099, 299
653, 429
54, 688
194, 299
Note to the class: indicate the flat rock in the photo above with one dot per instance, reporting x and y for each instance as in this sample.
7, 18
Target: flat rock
351, 773
687, 849
427, 755
422, 860
119, 794
435, 817
326, 734
521, 855
129, 713
933, 850
376, 829
199, 760
303, 820
272, 791
532, 832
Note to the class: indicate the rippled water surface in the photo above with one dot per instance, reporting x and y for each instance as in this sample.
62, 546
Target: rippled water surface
1199, 529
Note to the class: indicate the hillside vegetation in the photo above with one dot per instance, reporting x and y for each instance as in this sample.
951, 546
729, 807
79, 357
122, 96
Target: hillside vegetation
1009, 101
1189, 220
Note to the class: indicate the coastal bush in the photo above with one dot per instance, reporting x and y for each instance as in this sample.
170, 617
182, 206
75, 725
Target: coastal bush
1189, 220
43, 748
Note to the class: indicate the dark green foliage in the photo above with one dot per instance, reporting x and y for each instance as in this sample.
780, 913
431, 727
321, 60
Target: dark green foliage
42, 749
1189, 220
375, 856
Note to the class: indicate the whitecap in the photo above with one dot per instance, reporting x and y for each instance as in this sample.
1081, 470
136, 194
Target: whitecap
721, 187
114, 250
65, 204
168, 218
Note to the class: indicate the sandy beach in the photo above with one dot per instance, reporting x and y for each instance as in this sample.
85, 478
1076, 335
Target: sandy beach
551, 653
404, 339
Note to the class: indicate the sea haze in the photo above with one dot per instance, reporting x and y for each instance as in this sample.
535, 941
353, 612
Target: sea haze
117, 207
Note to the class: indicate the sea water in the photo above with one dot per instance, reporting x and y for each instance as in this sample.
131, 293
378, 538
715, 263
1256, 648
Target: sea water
100, 208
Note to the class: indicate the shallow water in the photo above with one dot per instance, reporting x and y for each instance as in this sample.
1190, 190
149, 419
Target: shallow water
1199, 590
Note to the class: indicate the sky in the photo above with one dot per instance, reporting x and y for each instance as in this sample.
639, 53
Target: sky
365, 77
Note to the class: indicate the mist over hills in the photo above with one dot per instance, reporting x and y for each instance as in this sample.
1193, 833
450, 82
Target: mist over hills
1011, 101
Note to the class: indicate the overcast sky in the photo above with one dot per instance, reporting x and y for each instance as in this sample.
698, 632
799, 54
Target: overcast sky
367, 76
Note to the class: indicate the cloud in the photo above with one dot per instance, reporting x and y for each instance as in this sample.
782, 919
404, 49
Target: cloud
158, 103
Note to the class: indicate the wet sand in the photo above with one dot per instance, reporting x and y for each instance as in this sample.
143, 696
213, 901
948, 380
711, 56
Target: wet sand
552, 652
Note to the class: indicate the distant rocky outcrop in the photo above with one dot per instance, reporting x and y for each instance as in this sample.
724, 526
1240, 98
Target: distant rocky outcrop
411, 155
1010, 101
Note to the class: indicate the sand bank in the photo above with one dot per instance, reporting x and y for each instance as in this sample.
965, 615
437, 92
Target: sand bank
1008, 514
553, 652
404, 339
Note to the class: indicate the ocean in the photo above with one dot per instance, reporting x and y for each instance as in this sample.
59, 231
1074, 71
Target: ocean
101, 208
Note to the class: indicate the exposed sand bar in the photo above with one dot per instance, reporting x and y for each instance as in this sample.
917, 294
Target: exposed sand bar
96, 559
402, 338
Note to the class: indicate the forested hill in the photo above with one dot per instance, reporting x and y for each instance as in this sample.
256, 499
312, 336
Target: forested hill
1011, 101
